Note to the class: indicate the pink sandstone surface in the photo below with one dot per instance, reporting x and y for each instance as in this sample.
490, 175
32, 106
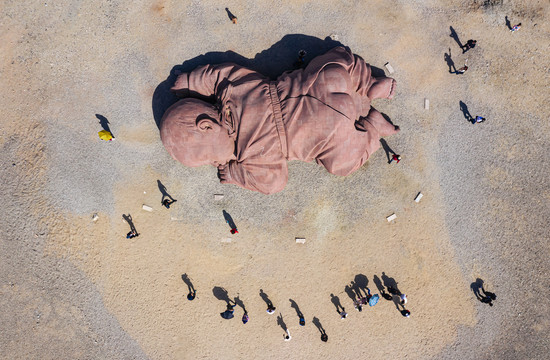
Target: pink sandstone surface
321, 113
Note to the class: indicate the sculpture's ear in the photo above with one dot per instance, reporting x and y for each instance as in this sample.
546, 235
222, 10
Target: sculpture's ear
205, 124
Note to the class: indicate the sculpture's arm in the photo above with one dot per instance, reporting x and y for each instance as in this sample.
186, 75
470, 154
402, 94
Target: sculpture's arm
208, 80
255, 174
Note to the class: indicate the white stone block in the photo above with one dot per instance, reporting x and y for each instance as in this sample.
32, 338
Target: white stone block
218, 197
389, 67
226, 240
418, 197
391, 217
147, 208
300, 240
427, 104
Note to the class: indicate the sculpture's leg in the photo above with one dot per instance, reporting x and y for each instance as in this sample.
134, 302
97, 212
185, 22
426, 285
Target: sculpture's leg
384, 127
382, 88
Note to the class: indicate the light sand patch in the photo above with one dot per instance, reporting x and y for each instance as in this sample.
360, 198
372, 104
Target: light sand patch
142, 275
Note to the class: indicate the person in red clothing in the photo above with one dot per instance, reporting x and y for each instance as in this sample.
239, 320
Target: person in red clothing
395, 157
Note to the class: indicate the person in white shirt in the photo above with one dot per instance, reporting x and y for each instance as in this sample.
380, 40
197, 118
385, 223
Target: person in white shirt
287, 335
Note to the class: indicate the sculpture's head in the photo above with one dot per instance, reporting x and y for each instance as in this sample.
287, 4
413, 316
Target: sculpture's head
191, 132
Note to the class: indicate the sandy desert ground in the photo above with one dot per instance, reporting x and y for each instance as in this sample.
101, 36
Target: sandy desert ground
72, 288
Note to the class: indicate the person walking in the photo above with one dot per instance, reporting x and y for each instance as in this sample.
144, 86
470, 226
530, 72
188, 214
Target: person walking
343, 315
469, 45
302, 321
479, 119
287, 335
192, 294
132, 234
515, 28
106, 135
395, 157
403, 299
358, 304
324, 337
245, 318
270, 308
228, 313
462, 70
488, 297
167, 202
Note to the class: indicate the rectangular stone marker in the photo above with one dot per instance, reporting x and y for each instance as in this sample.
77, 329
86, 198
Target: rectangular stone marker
389, 67
426, 104
218, 197
300, 240
226, 240
147, 208
418, 197
391, 217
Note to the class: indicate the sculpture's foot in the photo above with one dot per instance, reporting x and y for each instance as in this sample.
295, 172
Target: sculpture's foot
384, 127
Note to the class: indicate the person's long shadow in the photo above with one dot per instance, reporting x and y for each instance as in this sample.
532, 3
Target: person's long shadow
337, 304
351, 293
397, 301
221, 294
387, 150
104, 123
229, 220
508, 23
188, 282
237, 301
265, 298
466, 112
390, 284
230, 14
318, 324
357, 290
281, 322
128, 219
454, 35
476, 286
362, 281
450, 62
164, 193
381, 288
297, 308
280, 57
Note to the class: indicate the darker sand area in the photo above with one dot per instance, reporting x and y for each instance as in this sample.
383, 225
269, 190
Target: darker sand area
75, 288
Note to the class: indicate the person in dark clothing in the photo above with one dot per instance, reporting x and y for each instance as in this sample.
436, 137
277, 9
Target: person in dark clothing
469, 45
488, 297
167, 202
132, 234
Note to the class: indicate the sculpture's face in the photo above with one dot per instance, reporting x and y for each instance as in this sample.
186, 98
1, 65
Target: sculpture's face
213, 145
191, 133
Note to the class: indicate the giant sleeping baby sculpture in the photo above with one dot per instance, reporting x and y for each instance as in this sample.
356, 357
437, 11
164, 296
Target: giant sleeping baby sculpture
321, 113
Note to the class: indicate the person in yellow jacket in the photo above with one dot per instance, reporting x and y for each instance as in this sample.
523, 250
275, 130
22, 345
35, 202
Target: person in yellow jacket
105, 135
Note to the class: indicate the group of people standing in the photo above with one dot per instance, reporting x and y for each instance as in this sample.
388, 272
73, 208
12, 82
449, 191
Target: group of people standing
389, 291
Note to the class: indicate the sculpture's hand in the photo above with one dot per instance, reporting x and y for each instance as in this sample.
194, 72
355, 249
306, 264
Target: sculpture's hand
223, 173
